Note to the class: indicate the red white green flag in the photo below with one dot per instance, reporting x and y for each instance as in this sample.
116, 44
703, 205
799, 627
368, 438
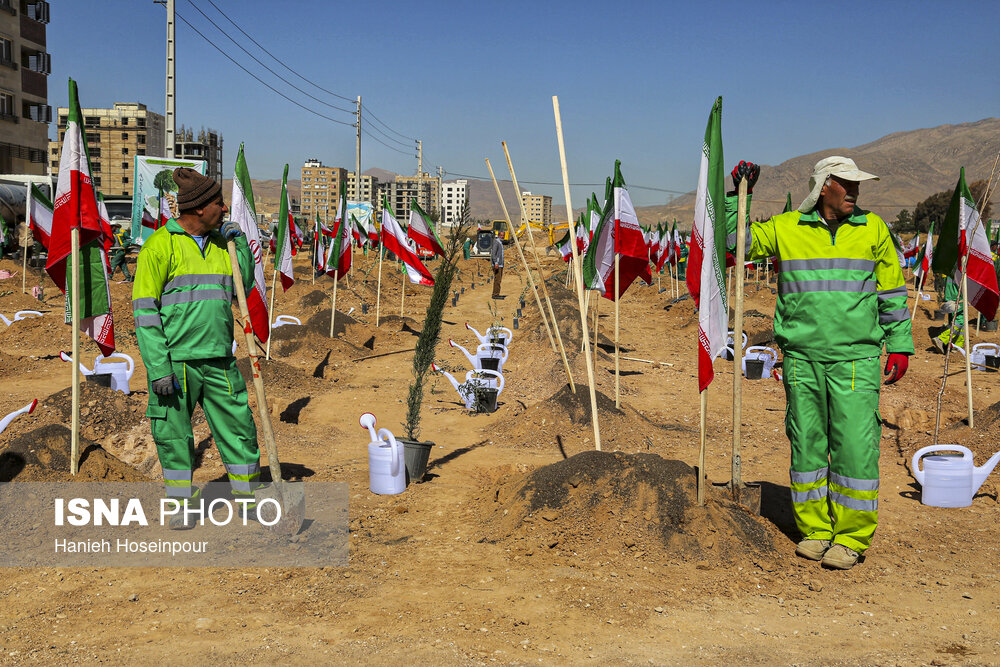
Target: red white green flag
243, 212
395, 241
283, 246
706, 272
421, 230
39, 215
338, 256
630, 241
963, 234
320, 238
924, 259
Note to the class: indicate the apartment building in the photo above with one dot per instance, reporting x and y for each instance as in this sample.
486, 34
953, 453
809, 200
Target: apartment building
426, 189
206, 145
320, 190
24, 68
454, 195
538, 208
114, 137
369, 188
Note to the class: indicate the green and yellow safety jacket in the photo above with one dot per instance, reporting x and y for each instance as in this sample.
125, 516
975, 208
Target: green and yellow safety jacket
182, 297
841, 295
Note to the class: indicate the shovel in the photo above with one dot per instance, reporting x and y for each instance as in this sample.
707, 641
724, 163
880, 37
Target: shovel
290, 496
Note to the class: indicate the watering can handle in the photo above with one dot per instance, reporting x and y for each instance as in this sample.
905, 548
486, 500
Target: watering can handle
918, 474
386, 434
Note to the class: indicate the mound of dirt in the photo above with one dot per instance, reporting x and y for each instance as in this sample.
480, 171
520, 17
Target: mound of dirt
597, 504
564, 418
280, 377
43, 455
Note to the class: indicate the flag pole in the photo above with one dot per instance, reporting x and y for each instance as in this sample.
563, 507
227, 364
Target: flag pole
740, 270
701, 448
315, 252
74, 235
402, 298
920, 288
270, 316
579, 274
524, 261
333, 306
378, 290
24, 251
538, 262
968, 346
597, 321
617, 299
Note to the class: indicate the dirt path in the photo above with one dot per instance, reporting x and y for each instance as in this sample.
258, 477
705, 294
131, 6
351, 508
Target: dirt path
462, 569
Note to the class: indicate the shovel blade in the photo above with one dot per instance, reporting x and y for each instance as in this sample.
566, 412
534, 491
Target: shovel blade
291, 498
747, 494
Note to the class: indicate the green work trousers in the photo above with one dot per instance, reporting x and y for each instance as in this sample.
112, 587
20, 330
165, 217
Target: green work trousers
215, 384
118, 261
833, 424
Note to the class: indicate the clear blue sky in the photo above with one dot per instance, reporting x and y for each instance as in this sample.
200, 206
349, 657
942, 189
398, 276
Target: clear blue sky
635, 80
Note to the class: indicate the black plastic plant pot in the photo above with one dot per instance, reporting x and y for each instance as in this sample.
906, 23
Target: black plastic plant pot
519, 312
103, 379
486, 399
990, 326
415, 455
755, 369
490, 364
364, 309
515, 323
463, 289
992, 361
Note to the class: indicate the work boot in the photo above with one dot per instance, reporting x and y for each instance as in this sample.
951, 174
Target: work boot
812, 549
182, 520
840, 557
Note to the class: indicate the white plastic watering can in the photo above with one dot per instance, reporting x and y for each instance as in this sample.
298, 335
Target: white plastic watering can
949, 480
487, 352
120, 375
467, 390
20, 315
760, 353
729, 353
386, 467
979, 353
282, 320
26, 410
501, 335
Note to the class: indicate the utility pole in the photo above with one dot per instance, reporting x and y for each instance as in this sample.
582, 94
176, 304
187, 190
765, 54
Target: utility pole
420, 158
357, 161
171, 82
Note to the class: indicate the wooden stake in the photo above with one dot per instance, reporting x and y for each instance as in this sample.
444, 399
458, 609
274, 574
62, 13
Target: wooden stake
968, 346
579, 274
701, 447
270, 315
597, 321
312, 269
524, 261
402, 298
24, 253
538, 262
74, 254
333, 306
920, 288
741, 213
378, 291
617, 299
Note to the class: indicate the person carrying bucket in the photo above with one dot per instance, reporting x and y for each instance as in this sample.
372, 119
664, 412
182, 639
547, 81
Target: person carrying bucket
181, 301
841, 299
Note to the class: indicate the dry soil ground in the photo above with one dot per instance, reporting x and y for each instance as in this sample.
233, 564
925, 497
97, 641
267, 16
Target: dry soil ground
523, 545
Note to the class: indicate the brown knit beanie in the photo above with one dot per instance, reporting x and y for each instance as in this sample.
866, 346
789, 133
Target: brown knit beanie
193, 189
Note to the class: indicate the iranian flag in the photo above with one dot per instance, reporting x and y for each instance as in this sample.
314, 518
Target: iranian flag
395, 241
924, 259
706, 272
629, 238
338, 255
593, 216
320, 236
106, 233
298, 237
565, 247
360, 232
76, 208
963, 234
283, 245
39, 215
421, 230
242, 212
913, 248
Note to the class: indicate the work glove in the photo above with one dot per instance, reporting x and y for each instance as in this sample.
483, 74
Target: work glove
230, 230
165, 386
745, 169
896, 365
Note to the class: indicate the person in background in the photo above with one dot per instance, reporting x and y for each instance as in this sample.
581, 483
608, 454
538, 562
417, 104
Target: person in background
119, 250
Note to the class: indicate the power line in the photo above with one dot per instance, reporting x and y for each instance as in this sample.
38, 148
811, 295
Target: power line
256, 60
373, 127
377, 140
228, 57
278, 60
365, 107
581, 185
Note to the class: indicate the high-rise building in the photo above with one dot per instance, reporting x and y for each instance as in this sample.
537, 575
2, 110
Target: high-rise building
207, 146
114, 137
369, 188
426, 189
24, 67
454, 195
320, 190
538, 208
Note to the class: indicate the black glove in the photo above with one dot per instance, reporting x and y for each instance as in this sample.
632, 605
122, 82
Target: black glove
165, 385
230, 230
746, 169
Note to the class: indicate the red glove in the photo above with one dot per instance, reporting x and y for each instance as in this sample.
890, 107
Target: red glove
896, 363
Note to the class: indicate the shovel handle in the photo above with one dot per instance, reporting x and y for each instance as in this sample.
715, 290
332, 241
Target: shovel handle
258, 383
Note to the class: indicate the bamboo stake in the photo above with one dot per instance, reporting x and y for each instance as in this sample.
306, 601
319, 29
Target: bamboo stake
701, 447
597, 321
579, 274
74, 235
312, 269
333, 306
968, 346
24, 250
270, 315
402, 298
920, 289
648, 361
524, 261
737, 463
378, 291
617, 299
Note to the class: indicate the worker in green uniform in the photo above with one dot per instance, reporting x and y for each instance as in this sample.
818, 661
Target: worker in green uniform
467, 248
841, 299
121, 240
955, 333
182, 303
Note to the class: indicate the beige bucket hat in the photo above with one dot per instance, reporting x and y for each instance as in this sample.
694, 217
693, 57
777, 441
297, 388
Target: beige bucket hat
835, 165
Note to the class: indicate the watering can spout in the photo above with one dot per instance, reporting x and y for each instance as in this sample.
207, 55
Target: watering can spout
451, 378
468, 356
979, 474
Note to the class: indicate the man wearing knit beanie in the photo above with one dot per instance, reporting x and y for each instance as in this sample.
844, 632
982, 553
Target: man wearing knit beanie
182, 305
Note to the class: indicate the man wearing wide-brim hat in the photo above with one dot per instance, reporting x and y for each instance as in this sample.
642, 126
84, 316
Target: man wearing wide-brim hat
841, 300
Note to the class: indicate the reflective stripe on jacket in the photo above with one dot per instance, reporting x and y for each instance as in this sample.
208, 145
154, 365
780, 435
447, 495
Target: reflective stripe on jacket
841, 295
182, 297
